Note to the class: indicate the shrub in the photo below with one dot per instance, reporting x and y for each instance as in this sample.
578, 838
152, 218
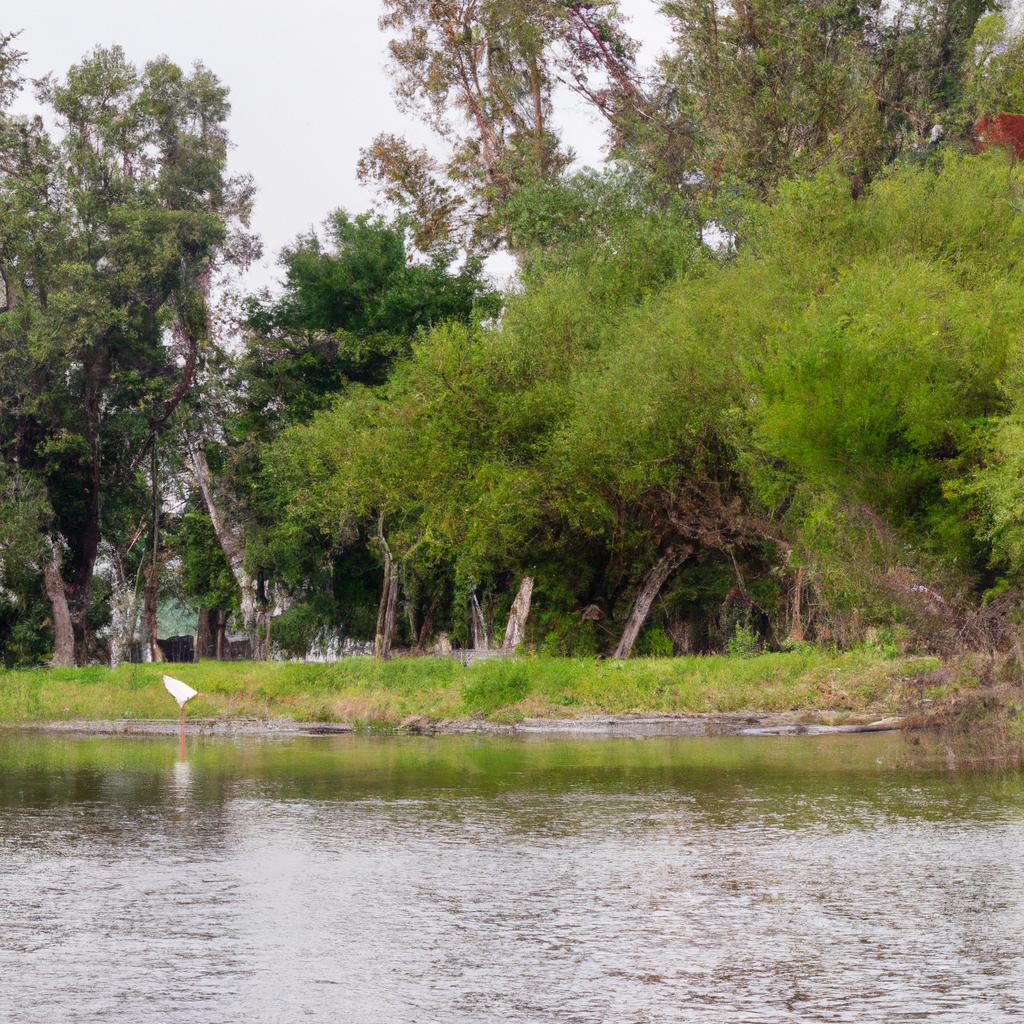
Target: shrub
743, 643
654, 642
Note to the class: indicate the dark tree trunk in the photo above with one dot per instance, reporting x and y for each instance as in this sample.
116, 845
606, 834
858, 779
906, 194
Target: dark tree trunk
152, 595
426, 627
222, 625
149, 616
84, 546
63, 629
517, 616
649, 590
203, 634
389, 616
796, 619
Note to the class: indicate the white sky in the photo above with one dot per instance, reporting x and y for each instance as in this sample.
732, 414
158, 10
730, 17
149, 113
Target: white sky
308, 87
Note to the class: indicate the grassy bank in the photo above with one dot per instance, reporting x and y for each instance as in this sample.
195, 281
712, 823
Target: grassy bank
364, 692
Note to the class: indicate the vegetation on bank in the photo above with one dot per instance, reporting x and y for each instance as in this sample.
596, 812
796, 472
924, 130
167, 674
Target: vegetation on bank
368, 692
810, 433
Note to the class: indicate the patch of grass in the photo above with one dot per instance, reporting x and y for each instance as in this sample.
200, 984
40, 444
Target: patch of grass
383, 694
496, 685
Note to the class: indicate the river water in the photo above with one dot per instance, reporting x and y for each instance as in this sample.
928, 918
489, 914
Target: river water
717, 881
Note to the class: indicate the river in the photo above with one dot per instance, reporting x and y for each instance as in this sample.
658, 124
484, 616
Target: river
460, 879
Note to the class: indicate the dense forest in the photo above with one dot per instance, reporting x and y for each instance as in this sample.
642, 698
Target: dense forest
758, 383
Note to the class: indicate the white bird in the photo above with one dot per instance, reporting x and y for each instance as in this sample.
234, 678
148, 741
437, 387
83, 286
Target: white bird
180, 691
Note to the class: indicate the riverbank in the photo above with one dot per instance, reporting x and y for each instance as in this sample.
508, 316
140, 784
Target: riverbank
424, 694
734, 723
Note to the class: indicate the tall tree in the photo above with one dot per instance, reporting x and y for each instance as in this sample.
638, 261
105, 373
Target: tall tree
353, 301
482, 74
114, 227
777, 88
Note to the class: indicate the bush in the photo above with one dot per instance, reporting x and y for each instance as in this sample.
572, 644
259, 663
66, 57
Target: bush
654, 642
570, 636
294, 630
743, 643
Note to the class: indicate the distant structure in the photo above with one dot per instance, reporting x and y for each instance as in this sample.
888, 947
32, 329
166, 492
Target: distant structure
177, 634
1001, 130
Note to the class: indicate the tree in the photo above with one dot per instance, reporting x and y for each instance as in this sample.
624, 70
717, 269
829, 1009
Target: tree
444, 463
352, 304
112, 231
353, 301
482, 74
994, 72
777, 88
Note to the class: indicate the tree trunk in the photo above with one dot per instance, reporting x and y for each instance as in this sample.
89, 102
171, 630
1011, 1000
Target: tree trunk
389, 616
649, 590
410, 618
149, 609
222, 625
386, 609
84, 545
255, 616
152, 594
63, 630
203, 631
124, 602
517, 616
261, 619
478, 625
122, 626
426, 627
796, 621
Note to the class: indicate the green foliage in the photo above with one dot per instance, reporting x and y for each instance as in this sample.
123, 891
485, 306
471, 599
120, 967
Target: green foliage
449, 451
567, 635
764, 106
206, 578
483, 77
994, 75
813, 423
111, 226
353, 301
743, 643
295, 629
654, 642
25, 515
824, 388
777, 89
25, 639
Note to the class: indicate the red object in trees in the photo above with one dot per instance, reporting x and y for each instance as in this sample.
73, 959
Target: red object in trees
1001, 130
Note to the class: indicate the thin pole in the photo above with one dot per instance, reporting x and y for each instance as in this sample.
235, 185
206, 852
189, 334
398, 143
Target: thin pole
181, 732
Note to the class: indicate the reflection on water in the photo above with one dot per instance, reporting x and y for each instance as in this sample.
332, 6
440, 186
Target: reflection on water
470, 880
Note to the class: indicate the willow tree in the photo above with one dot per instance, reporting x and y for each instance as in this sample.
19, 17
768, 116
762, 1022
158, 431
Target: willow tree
113, 225
441, 468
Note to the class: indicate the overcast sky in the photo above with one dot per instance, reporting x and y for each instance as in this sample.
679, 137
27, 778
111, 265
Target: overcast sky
307, 79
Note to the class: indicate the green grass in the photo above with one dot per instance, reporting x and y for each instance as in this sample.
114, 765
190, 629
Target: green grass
364, 692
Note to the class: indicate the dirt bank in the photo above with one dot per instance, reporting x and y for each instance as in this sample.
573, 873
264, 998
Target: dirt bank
745, 723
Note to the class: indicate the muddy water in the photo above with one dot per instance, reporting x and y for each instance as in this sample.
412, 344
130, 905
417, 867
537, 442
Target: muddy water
733, 881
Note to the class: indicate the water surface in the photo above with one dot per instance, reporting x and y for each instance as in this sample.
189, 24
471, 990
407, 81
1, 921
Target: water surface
459, 879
